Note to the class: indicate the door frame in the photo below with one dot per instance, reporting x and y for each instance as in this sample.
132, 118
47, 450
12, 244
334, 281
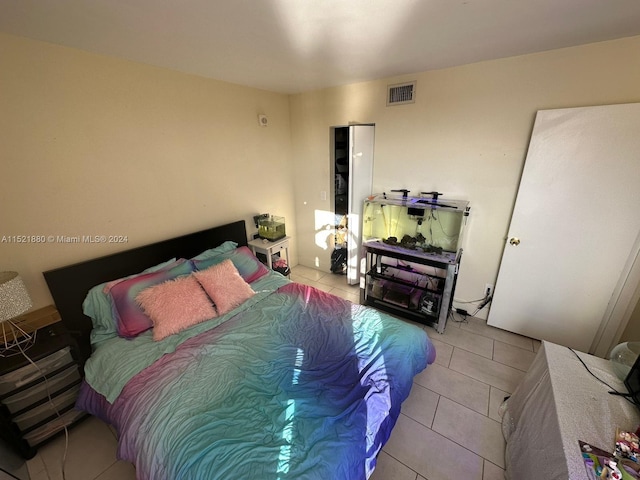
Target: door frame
332, 159
623, 301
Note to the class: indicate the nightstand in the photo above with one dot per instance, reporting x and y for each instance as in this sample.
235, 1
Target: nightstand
271, 249
27, 416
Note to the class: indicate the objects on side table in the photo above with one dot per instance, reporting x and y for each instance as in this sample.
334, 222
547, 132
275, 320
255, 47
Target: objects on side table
623, 356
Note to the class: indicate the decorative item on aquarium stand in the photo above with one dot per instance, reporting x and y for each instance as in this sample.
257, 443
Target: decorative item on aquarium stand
271, 228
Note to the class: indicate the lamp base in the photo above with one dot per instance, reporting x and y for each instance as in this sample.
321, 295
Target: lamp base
15, 340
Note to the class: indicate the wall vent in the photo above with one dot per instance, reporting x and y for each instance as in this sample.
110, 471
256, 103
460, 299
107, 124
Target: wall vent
401, 93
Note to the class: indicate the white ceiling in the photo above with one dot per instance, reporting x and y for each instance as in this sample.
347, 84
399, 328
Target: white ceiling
299, 45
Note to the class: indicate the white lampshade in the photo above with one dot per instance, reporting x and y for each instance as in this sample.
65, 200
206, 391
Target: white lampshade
14, 301
14, 297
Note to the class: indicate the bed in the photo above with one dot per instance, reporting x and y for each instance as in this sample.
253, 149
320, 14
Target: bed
284, 381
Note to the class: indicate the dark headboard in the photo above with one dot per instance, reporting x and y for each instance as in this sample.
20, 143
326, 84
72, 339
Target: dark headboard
69, 285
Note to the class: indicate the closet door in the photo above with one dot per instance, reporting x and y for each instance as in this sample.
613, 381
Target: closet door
573, 237
361, 138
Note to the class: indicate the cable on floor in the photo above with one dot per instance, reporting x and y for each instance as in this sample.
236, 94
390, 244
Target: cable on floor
53, 405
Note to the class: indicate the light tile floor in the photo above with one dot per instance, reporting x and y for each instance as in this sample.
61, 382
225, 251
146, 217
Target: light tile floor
449, 427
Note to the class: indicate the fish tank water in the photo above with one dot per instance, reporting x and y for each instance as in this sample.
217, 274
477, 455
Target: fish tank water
271, 228
429, 224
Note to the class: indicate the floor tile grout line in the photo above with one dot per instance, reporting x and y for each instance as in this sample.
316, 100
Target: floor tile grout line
490, 384
468, 376
105, 470
507, 365
440, 395
464, 374
451, 440
401, 462
497, 340
515, 346
30, 467
498, 329
453, 400
491, 360
462, 348
435, 412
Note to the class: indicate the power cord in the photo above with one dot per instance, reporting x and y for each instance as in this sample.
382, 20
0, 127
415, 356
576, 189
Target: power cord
53, 406
484, 303
469, 301
461, 311
612, 391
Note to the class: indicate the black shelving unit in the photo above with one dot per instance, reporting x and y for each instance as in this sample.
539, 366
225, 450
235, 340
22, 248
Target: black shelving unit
32, 410
397, 282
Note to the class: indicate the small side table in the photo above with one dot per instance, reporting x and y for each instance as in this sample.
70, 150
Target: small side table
268, 249
27, 420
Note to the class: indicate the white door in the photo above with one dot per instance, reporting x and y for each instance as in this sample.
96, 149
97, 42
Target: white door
361, 138
574, 225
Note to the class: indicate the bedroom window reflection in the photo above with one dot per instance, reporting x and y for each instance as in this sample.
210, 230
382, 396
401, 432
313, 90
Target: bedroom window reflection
284, 459
287, 432
298, 364
373, 363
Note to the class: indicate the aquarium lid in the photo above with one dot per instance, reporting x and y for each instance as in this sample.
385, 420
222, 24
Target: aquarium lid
419, 202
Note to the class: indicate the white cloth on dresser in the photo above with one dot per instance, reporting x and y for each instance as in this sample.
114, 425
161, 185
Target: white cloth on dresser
557, 404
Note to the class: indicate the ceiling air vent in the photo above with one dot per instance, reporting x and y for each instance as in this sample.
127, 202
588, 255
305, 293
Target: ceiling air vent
401, 93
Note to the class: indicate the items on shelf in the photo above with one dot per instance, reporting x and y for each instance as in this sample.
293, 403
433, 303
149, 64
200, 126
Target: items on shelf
411, 284
280, 265
622, 464
270, 227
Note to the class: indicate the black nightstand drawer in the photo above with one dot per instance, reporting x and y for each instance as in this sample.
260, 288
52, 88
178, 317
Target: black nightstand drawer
38, 393
42, 390
41, 434
27, 420
23, 376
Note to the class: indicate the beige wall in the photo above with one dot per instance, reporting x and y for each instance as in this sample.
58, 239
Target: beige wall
92, 145
466, 135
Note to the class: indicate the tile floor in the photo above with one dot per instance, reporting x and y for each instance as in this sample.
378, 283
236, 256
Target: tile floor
449, 427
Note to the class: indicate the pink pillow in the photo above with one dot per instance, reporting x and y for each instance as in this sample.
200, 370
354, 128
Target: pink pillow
168, 265
175, 305
225, 286
129, 317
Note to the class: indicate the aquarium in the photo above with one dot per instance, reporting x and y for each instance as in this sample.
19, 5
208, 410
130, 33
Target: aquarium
271, 227
427, 224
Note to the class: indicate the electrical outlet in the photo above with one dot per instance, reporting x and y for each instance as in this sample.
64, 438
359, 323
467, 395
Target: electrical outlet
488, 290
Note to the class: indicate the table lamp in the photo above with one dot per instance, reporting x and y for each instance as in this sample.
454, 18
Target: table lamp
14, 301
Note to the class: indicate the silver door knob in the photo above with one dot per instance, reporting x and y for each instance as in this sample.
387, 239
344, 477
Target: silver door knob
515, 241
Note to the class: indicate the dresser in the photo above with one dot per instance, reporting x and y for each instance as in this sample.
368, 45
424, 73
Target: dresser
557, 404
37, 395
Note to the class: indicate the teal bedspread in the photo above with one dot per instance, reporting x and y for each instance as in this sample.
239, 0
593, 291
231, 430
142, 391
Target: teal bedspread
295, 384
